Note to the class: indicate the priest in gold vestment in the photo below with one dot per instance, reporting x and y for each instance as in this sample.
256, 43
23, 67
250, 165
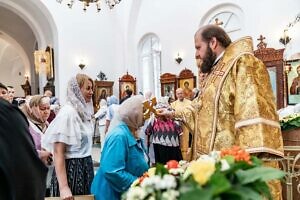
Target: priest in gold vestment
236, 105
179, 105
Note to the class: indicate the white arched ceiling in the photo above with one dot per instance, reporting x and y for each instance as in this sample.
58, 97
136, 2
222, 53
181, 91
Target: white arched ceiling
18, 48
37, 16
35, 22
14, 63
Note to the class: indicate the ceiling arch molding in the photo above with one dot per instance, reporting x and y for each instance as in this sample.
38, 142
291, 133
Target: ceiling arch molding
34, 17
20, 51
37, 16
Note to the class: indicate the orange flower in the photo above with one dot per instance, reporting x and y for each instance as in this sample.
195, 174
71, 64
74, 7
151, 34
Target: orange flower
145, 175
238, 154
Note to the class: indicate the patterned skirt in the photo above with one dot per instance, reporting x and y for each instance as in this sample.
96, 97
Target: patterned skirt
80, 174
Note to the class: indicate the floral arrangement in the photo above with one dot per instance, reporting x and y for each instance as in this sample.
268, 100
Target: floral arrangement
229, 174
290, 122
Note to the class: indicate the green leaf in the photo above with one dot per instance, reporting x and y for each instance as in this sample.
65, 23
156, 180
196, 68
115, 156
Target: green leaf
291, 122
262, 188
259, 173
240, 165
218, 183
197, 194
256, 161
242, 193
229, 159
161, 170
190, 185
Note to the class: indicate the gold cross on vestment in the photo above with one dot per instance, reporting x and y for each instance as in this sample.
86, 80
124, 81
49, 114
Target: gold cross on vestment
217, 22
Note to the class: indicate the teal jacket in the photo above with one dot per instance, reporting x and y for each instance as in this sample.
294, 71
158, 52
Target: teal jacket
122, 161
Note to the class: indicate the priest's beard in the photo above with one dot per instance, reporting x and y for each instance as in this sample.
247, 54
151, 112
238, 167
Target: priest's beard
208, 60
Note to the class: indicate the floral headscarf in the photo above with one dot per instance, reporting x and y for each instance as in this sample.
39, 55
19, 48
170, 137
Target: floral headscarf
76, 99
32, 111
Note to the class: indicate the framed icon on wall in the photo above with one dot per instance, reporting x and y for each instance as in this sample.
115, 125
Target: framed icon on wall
102, 90
168, 85
187, 81
126, 82
293, 82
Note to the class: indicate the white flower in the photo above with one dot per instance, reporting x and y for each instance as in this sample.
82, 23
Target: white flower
213, 156
169, 181
216, 155
207, 158
135, 193
170, 195
151, 198
150, 181
182, 162
176, 171
157, 183
224, 165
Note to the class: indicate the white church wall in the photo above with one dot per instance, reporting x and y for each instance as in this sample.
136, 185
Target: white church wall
96, 39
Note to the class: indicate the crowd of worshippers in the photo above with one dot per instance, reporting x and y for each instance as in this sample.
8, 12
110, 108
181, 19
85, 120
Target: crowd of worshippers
30, 147
62, 138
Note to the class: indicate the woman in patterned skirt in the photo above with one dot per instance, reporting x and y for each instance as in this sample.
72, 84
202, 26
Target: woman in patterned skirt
69, 137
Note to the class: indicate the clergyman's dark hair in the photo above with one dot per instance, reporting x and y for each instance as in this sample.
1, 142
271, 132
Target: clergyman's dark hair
209, 31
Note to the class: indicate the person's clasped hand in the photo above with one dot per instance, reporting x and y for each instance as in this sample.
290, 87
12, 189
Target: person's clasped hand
46, 157
66, 194
164, 112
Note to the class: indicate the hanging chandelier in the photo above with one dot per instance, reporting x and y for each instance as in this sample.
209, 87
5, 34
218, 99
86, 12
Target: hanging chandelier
86, 3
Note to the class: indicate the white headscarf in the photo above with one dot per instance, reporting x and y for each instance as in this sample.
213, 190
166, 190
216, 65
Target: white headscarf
76, 99
130, 112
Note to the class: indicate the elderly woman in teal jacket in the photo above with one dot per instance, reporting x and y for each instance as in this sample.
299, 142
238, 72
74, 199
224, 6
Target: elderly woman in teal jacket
123, 159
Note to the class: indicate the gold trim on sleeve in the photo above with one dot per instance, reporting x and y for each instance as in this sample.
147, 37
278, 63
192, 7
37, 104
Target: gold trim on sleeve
258, 120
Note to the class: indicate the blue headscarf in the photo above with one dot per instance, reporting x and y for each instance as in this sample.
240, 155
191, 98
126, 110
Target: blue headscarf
112, 100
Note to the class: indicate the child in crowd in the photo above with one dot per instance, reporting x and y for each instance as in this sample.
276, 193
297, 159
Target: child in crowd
165, 134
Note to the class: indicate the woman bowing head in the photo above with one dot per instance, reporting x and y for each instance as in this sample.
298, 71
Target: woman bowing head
123, 157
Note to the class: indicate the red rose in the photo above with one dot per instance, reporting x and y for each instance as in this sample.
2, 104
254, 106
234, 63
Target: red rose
172, 164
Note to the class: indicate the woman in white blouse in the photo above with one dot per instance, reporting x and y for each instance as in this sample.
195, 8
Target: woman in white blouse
69, 137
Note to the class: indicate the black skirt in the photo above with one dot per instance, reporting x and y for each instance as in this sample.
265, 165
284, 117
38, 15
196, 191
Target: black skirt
164, 153
80, 174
